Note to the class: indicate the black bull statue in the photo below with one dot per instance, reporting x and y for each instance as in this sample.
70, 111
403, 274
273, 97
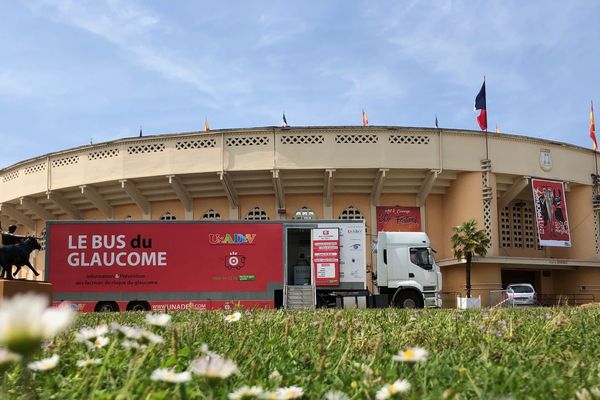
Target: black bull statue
17, 255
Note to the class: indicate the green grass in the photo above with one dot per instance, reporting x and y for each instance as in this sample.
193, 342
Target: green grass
539, 353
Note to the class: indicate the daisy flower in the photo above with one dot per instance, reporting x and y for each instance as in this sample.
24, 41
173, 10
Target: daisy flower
233, 317
162, 320
98, 343
389, 391
45, 364
336, 395
90, 334
7, 357
88, 362
26, 320
414, 354
246, 392
168, 375
290, 392
213, 366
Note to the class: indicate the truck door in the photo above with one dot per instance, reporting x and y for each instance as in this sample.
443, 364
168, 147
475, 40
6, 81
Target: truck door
420, 268
396, 260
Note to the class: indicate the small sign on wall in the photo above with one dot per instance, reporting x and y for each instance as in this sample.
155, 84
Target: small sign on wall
326, 256
398, 219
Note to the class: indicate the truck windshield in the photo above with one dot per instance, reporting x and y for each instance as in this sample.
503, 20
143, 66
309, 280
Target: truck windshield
420, 256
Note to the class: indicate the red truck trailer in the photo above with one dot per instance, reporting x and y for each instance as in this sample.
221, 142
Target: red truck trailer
173, 265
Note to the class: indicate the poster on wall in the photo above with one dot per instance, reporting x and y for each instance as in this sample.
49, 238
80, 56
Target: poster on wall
398, 219
551, 213
326, 256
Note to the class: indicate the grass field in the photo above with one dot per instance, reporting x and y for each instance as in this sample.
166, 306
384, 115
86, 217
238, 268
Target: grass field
540, 353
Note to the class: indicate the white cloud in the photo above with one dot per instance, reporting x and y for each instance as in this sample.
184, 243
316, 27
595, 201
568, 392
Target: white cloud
129, 27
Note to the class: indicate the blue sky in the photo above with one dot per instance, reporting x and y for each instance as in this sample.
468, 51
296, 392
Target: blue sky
75, 70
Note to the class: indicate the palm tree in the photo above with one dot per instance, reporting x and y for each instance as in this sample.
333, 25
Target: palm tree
466, 242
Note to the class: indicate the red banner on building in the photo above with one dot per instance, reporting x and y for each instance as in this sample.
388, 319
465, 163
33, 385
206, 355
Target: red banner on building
551, 213
326, 256
398, 219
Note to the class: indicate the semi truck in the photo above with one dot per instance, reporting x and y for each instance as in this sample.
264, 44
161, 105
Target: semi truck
204, 265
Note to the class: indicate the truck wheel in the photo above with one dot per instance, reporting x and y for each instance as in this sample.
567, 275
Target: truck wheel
138, 306
408, 299
106, 306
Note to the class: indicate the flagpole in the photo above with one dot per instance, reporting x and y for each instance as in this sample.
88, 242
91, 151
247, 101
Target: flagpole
487, 156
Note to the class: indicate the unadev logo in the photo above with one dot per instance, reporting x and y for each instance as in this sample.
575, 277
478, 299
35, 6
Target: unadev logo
231, 238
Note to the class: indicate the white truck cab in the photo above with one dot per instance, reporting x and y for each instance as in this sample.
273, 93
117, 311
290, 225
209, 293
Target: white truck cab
407, 271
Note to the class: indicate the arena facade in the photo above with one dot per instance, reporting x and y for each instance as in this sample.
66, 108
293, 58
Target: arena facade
330, 173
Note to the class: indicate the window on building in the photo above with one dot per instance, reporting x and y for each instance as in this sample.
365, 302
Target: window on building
351, 213
168, 217
256, 214
211, 214
304, 213
517, 226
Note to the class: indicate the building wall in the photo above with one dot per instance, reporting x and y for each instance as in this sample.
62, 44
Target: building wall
218, 204
294, 202
462, 202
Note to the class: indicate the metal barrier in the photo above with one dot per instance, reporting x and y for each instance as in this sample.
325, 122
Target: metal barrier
570, 299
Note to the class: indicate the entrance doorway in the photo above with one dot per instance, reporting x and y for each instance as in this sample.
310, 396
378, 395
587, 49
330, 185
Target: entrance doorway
521, 276
298, 256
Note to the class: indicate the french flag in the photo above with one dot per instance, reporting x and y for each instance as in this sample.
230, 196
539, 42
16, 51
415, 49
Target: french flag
480, 105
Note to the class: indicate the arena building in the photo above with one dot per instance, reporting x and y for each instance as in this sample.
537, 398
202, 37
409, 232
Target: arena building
448, 176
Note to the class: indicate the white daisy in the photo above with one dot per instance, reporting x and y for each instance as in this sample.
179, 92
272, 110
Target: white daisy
284, 393
213, 366
149, 337
246, 392
7, 357
168, 375
88, 362
26, 320
133, 345
98, 343
389, 391
87, 333
162, 320
336, 395
414, 354
45, 364
233, 317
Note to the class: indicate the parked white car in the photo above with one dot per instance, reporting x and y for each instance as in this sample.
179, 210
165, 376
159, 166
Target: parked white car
521, 294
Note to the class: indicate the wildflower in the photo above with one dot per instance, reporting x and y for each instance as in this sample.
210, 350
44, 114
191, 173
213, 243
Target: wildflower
162, 320
389, 391
88, 362
233, 317
414, 354
354, 385
100, 342
25, 320
7, 357
133, 345
275, 375
246, 392
168, 375
90, 334
45, 364
149, 337
213, 366
290, 392
336, 395
126, 331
